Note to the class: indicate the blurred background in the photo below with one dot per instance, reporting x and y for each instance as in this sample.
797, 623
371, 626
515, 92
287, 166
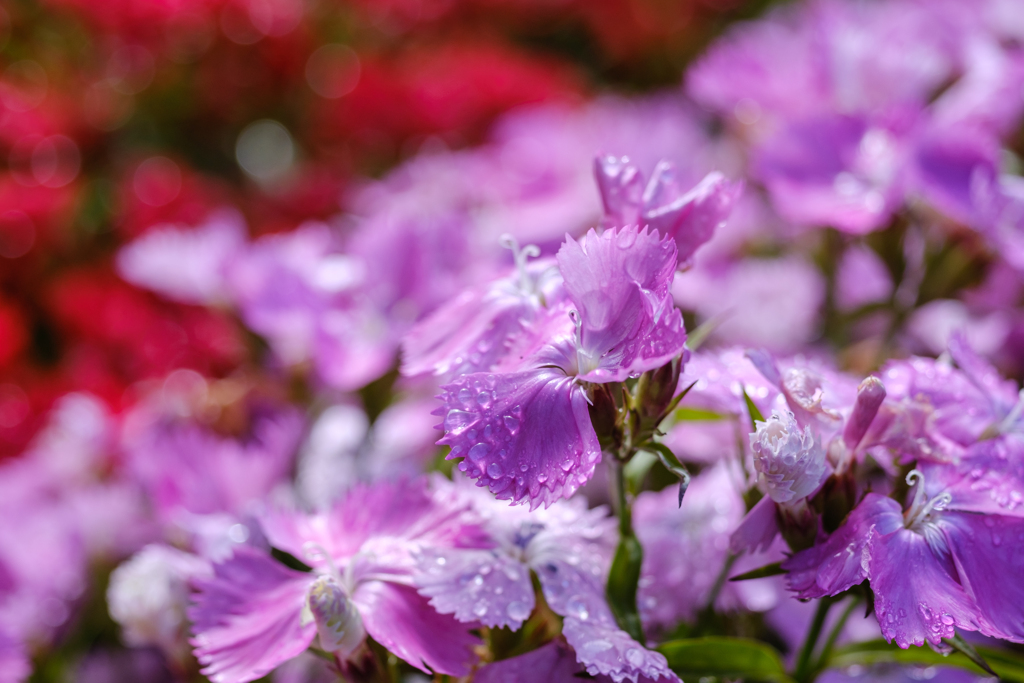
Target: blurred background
119, 116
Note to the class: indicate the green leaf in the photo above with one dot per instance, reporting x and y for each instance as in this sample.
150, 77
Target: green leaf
1008, 666
772, 569
723, 657
688, 414
968, 650
672, 464
622, 582
755, 412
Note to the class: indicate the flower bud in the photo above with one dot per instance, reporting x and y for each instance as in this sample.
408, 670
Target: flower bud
337, 620
790, 463
870, 395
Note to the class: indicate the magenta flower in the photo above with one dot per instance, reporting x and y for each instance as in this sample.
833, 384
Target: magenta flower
256, 613
688, 215
525, 432
949, 561
569, 548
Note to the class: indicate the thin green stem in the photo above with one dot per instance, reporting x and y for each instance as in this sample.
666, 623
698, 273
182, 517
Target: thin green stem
826, 651
720, 580
803, 672
623, 508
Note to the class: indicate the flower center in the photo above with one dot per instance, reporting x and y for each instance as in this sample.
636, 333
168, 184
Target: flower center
920, 510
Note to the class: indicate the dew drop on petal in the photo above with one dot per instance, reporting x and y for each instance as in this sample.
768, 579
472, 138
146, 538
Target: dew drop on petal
518, 610
494, 470
479, 452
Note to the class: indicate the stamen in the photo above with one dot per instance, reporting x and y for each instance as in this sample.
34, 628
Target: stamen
520, 257
921, 507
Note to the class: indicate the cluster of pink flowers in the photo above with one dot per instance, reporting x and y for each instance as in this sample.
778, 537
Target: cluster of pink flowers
348, 340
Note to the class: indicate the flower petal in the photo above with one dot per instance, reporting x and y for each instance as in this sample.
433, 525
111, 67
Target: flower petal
477, 585
758, 529
840, 562
551, 663
689, 217
403, 621
989, 555
406, 513
527, 436
619, 282
247, 618
14, 664
917, 597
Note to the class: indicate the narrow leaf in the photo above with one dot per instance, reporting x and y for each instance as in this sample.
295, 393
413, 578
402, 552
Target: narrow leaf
1008, 666
688, 414
755, 413
773, 569
723, 657
962, 646
672, 464
675, 400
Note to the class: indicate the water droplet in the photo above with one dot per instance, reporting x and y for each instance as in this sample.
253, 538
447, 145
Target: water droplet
479, 452
511, 423
478, 581
465, 396
576, 608
524, 467
484, 399
634, 656
480, 608
518, 610
947, 619
457, 420
494, 471
567, 464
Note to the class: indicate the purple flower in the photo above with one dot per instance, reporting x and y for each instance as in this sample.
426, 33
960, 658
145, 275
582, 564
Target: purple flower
187, 265
689, 216
685, 550
525, 432
186, 467
256, 613
569, 548
834, 170
942, 564
861, 278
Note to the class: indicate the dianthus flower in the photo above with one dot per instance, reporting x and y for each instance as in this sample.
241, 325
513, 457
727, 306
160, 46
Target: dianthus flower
949, 561
570, 548
256, 613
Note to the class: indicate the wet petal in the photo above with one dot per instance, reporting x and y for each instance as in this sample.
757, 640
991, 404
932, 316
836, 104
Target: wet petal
840, 562
527, 436
247, 618
477, 585
403, 621
758, 529
917, 596
619, 282
989, 555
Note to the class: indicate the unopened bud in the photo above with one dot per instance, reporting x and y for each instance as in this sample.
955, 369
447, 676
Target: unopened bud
337, 620
870, 395
790, 463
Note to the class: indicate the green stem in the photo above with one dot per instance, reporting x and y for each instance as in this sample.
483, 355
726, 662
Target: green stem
624, 575
826, 651
802, 673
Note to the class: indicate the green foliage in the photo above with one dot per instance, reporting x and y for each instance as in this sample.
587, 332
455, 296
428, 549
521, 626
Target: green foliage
721, 658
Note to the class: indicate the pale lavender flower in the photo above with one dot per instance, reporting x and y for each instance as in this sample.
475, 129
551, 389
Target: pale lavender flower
790, 461
148, 596
525, 432
569, 548
186, 264
256, 613
773, 303
685, 550
861, 279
